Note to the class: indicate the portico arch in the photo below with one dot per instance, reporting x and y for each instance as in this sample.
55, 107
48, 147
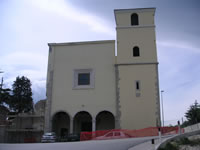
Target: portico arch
82, 122
61, 123
105, 120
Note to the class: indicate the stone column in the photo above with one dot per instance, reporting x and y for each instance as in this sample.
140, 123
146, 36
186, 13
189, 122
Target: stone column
71, 125
93, 124
117, 123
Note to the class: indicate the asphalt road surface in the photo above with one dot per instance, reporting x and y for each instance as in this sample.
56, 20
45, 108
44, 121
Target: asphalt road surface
119, 144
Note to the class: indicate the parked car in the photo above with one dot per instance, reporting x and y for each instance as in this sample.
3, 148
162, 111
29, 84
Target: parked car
73, 137
49, 137
113, 135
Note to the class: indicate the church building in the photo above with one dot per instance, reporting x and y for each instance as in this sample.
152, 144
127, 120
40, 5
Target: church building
89, 88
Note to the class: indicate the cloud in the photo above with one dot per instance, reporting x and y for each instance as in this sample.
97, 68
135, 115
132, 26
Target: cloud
177, 58
19, 58
39, 89
64, 9
30, 26
177, 103
26, 63
179, 45
178, 77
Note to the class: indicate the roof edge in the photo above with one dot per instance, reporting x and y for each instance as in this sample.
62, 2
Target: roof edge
81, 43
135, 9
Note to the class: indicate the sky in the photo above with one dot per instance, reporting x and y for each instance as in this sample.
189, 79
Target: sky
26, 26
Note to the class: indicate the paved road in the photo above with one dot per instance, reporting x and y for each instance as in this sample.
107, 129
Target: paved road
120, 144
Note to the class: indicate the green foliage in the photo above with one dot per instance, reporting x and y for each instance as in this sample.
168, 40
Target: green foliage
175, 144
193, 114
186, 141
5, 96
185, 124
3, 112
170, 146
21, 100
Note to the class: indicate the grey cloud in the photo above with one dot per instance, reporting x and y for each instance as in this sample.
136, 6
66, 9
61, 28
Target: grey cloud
174, 19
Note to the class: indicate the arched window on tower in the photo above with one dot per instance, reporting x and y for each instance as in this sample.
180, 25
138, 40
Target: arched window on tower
136, 51
134, 19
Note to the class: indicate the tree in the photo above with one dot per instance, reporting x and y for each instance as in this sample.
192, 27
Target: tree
21, 100
4, 96
4, 99
193, 114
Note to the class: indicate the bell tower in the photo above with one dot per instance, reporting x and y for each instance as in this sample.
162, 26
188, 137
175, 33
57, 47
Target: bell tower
136, 66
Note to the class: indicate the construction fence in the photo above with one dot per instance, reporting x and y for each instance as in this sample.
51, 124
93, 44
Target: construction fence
120, 133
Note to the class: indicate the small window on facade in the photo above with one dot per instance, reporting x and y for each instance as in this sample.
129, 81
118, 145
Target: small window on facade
136, 52
137, 85
84, 79
134, 19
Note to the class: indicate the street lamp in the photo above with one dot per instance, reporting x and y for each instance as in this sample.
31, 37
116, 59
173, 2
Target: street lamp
162, 107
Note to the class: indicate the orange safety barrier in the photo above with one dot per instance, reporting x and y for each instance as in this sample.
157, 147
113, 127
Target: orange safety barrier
121, 133
91, 135
151, 131
170, 130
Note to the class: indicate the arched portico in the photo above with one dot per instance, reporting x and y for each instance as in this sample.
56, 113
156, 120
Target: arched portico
82, 122
105, 120
61, 124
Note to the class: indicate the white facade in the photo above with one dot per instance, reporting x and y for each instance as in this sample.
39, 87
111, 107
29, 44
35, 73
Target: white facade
89, 88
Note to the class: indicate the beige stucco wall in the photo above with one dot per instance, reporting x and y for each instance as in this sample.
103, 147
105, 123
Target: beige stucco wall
144, 38
146, 17
98, 56
114, 90
143, 111
138, 112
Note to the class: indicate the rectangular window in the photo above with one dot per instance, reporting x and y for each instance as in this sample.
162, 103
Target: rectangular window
84, 79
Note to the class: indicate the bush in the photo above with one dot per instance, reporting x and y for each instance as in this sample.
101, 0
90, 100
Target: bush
170, 146
184, 141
